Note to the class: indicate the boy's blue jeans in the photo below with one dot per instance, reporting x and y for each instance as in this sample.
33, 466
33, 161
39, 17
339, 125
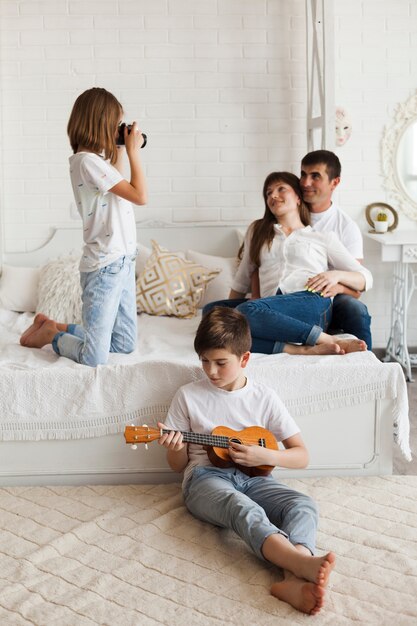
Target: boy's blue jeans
298, 317
109, 317
254, 507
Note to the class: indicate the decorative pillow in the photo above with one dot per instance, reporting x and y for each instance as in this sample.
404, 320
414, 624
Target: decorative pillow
219, 288
19, 288
171, 285
59, 295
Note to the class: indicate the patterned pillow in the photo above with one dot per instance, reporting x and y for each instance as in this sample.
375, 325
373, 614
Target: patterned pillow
171, 285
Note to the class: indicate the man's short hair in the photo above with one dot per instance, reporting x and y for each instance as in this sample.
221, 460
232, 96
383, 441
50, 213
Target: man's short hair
327, 158
223, 328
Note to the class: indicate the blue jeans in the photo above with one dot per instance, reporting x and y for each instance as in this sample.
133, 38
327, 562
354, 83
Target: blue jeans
351, 316
109, 316
298, 317
254, 507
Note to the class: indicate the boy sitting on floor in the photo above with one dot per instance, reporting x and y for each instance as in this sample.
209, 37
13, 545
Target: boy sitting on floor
278, 523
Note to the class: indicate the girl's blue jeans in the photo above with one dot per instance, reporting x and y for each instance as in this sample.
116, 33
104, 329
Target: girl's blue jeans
254, 507
298, 317
109, 317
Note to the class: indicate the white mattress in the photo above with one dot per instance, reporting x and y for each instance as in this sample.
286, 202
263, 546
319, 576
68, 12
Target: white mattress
44, 396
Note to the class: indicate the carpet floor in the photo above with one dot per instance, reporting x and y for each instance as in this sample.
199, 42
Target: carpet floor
133, 556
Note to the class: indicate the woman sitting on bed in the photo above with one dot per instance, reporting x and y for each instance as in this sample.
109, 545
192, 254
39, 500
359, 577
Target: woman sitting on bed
294, 277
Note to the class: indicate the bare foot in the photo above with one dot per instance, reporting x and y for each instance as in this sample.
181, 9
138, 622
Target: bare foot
317, 569
42, 335
319, 348
351, 345
302, 595
40, 318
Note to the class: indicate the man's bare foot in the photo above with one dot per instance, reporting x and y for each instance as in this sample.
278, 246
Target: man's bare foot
40, 318
351, 345
302, 595
42, 335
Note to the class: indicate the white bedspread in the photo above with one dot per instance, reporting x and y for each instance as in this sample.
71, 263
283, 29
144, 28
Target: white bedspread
44, 396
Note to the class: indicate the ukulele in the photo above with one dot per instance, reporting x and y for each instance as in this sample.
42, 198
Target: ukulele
216, 444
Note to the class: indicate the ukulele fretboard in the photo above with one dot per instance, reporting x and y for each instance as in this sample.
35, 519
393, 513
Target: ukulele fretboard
216, 441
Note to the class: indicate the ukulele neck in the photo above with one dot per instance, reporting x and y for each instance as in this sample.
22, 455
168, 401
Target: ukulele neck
216, 441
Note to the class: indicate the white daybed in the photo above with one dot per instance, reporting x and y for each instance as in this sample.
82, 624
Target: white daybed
61, 422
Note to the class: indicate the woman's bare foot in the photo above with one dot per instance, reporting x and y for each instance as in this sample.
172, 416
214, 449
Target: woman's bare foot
351, 345
40, 318
319, 348
42, 335
302, 595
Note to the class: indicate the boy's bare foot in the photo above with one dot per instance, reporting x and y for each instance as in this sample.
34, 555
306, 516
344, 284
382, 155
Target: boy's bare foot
302, 595
42, 335
317, 569
40, 318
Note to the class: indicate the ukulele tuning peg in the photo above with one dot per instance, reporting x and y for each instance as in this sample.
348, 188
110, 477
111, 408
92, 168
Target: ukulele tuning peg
146, 446
134, 446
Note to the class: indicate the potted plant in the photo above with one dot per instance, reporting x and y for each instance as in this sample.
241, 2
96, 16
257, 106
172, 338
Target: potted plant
381, 222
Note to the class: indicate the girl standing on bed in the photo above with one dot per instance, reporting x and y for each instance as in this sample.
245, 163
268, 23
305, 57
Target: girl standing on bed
107, 267
293, 262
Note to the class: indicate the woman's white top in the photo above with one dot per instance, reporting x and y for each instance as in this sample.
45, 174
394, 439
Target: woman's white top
109, 227
293, 259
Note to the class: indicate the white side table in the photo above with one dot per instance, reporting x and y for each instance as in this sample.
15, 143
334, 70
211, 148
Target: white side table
400, 247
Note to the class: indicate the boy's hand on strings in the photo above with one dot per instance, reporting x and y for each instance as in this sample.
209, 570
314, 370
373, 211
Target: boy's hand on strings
172, 440
249, 456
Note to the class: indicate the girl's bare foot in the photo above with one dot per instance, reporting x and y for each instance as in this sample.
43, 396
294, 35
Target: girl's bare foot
40, 318
42, 335
302, 595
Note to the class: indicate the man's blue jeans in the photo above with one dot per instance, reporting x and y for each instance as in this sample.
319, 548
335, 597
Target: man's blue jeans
351, 316
298, 317
109, 316
254, 507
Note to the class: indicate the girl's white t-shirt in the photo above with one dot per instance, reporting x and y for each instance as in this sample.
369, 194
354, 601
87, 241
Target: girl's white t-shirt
109, 227
200, 407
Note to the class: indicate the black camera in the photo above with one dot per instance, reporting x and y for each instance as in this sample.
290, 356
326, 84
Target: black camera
120, 141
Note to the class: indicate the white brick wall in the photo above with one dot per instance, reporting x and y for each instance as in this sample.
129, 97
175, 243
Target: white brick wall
219, 86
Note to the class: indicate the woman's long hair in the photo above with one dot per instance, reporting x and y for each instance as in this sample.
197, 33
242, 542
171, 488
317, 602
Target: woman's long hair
93, 122
263, 231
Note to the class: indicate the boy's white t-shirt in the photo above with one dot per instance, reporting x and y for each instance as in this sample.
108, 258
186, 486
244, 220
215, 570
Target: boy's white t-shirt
336, 220
109, 227
200, 407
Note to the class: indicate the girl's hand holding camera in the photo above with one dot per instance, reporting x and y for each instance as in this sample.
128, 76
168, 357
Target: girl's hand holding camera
133, 139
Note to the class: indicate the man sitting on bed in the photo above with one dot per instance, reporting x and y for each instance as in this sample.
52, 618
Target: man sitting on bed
320, 175
276, 522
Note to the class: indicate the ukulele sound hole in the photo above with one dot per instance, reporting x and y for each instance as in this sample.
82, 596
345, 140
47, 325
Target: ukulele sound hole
235, 440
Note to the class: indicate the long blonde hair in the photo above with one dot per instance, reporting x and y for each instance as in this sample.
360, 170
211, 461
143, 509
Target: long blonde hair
93, 122
263, 231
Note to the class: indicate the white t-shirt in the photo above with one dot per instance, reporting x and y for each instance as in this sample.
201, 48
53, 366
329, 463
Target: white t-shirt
336, 220
292, 259
200, 407
109, 227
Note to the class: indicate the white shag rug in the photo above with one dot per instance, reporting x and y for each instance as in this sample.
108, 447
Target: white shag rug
133, 556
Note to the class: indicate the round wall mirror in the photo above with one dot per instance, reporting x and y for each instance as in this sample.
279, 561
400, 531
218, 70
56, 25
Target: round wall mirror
399, 157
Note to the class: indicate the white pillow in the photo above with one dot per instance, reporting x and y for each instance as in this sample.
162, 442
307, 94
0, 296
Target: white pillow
59, 295
143, 255
219, 288
19, 288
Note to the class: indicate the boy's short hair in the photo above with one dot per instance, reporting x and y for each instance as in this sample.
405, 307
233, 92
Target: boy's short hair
223, 328
327, 158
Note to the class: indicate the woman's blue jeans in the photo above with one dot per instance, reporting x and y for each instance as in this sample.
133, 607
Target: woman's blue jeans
109, 317
298, 317
254, 507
